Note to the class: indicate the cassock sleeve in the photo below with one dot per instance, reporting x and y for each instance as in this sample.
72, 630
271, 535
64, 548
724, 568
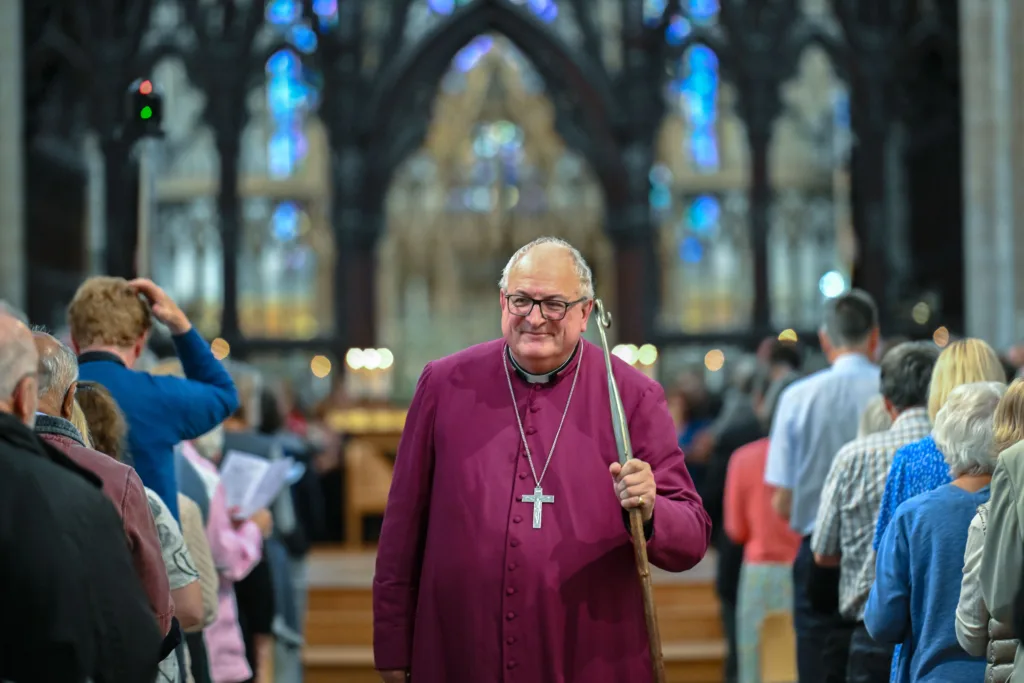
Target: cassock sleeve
402, 536
682, 528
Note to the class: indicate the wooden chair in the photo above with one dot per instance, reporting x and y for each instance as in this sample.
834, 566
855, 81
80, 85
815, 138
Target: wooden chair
368, 480
778, 649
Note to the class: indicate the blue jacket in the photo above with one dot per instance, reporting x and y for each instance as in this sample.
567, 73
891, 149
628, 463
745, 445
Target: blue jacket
163, 411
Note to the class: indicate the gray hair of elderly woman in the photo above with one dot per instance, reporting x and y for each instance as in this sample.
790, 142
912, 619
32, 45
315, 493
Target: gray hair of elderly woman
964, 430
875, 418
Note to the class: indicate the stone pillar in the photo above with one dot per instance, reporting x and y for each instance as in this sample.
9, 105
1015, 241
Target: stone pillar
12, 155
992, 68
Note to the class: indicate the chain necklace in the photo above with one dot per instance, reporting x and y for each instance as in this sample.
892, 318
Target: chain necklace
537, 499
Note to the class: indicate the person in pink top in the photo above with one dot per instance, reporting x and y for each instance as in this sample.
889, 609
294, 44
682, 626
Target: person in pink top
236, 549
769, 548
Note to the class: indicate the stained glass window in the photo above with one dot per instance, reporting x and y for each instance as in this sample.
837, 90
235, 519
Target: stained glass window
292, 92
694, 87
286, 262
492, 174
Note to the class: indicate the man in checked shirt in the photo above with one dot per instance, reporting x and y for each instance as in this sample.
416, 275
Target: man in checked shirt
848, 510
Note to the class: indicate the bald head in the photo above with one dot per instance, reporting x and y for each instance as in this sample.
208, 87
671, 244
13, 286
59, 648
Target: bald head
58, 372
18, 359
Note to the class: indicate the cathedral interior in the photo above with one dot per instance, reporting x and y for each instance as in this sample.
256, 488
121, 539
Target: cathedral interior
330, 189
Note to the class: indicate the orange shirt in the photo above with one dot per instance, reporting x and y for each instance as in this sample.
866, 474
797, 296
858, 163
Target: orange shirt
749, 518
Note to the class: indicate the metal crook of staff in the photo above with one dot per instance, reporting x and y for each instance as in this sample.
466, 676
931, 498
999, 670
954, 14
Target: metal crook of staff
636, 522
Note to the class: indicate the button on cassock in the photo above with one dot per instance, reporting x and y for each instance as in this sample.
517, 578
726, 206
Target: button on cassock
517, 519
510, 591
522, 475
512, 664
531, 431
514, 542
510, 616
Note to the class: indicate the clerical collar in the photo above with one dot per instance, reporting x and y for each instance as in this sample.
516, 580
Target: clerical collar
534, 378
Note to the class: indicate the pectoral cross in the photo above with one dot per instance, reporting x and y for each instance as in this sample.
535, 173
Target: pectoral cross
538, 499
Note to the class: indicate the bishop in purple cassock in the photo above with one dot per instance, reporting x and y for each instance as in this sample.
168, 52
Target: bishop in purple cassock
505, 554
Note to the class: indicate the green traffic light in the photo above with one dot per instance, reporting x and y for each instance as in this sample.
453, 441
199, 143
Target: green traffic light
146, 113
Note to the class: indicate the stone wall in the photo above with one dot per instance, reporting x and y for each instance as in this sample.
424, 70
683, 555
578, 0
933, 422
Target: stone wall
992, 68
12, 185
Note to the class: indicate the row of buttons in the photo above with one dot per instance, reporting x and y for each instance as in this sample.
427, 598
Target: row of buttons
514, 542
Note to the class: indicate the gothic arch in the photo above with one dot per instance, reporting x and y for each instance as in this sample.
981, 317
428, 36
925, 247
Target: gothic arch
396, 122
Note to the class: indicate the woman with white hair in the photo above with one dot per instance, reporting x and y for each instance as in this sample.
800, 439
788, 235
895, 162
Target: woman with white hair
920, 560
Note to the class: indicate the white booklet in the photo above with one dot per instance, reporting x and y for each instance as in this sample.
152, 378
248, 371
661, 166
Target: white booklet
251, 483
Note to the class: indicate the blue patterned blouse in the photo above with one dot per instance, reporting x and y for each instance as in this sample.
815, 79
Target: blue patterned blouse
917, 468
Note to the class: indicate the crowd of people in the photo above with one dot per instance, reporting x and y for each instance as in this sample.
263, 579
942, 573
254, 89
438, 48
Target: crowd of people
122, 559
876, 501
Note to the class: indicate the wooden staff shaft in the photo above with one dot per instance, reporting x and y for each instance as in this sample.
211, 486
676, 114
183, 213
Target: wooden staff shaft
636, 522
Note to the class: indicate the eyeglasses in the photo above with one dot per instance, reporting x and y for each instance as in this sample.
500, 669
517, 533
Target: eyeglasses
550, 309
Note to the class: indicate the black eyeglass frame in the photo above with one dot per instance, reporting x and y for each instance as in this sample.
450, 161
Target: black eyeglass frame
538, 302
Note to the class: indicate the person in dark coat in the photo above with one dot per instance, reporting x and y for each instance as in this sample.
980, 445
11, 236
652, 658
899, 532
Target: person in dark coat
77, 608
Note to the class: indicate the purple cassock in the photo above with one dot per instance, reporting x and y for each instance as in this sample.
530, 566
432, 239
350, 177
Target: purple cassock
466, 589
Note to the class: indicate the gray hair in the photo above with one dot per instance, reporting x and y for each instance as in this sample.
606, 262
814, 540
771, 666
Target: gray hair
583, 271
18, 355
964, 429
211, 443
874, 419
57, 370
906, 373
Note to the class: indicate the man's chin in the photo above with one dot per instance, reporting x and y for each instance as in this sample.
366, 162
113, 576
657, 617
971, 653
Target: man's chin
534, 346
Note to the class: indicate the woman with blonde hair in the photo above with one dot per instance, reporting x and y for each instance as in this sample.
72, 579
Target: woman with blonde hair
920, 467
977, 631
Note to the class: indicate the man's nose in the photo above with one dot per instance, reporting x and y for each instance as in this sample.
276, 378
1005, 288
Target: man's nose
536, 318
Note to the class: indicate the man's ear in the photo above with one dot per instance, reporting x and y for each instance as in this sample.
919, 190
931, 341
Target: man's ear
67, 406
25, 401
137, 348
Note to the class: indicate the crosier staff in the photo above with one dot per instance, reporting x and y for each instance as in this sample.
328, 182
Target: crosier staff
636, 522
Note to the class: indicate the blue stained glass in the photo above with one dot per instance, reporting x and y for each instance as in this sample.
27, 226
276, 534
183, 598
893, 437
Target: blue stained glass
704, 147
303, 37
280, 155
442, 6
702, 58
698, 86
325, 8
283, 12
704, 214
546, 10
660, 198
285, 222
691, 250
284, 96
702, 10
677, 30
284, 63
466, 58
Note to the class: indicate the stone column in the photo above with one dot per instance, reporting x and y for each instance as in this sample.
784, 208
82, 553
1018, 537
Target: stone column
12, 155
992, 68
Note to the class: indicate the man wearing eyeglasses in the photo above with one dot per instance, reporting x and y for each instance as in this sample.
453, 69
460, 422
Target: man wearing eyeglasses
66, 576
504, 546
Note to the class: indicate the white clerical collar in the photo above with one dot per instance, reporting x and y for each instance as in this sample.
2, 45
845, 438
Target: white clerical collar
534, 378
